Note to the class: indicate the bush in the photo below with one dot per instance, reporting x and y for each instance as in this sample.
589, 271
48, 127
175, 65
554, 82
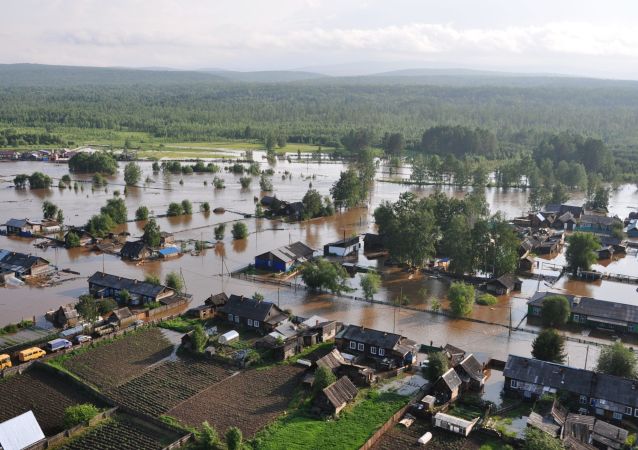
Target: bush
555, 311
77, 414
71, 240
187, 207
174, 281
240, 230
204, 207
245, 182
141, 213
324, 377
486, 299
175, 209
461, 297
437, 366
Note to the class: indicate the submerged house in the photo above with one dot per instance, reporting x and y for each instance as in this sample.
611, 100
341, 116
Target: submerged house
592, 313
389, 350
102, 285
22, 227
471, 372
344, 247
598, 224
23, 265
284, 258
136, 251
504, 285
263, 316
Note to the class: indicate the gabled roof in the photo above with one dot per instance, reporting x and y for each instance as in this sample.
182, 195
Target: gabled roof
566, 217
472, 367
507, 281
451, 379
289, 253
134, 248
345, 242
340, 392
217, 300
381, 339
19, 262
609, 434
135, 287
122, 313
557, 376
598, 220
17, 223
332, 360
68, 312
249, 308
20, 432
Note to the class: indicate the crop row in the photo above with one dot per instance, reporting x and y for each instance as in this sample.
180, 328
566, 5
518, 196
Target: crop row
248, 400
112, 364
161, 388
118, 433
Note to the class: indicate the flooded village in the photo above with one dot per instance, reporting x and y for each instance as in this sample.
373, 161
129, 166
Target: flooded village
248, 297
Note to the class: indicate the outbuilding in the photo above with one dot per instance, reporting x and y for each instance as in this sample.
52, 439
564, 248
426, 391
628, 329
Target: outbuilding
228, 337
454, 424
344, 247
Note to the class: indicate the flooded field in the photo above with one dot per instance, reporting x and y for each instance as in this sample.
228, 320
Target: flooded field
203, 273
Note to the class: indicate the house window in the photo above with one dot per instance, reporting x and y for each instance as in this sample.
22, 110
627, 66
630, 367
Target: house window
373, 350
636, 412
250, 322
583, 399
576, 318
514, 384
628, 410
361, 347
236, 319
230, 317
617, 416
381, 352
353, 345
536, 310
256, 323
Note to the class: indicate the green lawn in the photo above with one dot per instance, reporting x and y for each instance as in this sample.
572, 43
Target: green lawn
354, 426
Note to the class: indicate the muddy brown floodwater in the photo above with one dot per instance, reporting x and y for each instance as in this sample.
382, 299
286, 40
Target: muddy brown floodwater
202, 273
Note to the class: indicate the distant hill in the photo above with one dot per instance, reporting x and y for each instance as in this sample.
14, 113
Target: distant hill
266, 76
60, 76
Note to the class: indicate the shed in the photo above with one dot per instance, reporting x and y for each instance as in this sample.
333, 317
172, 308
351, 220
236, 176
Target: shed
229, 336
169, 252
605, 252
454, 424
335, 397
344, 247
123, 317
20, 432
135, 250
504, 285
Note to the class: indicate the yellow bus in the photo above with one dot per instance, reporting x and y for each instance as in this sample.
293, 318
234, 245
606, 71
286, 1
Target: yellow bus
30, 353
5, 361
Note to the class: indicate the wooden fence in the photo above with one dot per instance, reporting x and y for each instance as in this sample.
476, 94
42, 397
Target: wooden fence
384, 428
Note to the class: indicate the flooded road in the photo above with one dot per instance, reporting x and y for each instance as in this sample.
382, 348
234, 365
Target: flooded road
291, 180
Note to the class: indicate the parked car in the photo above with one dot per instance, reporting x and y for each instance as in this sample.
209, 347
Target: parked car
58, 344
82, 338
31, 353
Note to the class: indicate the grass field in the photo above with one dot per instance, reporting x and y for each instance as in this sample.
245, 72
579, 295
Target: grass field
354, 426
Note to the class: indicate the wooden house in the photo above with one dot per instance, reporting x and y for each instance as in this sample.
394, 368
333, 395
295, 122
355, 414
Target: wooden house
263, 316
344, 247
23, 227
136, 251
66, 317
504, 285
23, 265
447, 387
102, 285
284, 258
332, 399
386, 349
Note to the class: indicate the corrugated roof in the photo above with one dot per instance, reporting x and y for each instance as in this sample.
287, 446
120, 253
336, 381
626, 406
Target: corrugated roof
593, 308
381, 339
20, 432
249, 308
289, 253
453, 420
332, 360
168, 251
451, 379
472, 367
135, 287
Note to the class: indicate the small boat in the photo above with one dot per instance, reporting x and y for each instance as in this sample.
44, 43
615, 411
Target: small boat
425, 438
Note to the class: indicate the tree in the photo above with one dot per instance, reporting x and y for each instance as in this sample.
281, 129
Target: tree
393, 144
437, 365
152, 236
205, 207
66, 179
601, 198
199, 338
347, 191
539, 440
100, 162
234, 438
77, 414
461, 298
125, 296
258, 296
20, 181
71, 240
174, 281
219, 231
187, 207
419, 169
49, 210
207, 438
312, 204
370, 283
324, 377
555, 311
240, 230
265, 183
581, 251
59, 217
322, 274
245, 182
618, 360
132, 174
559, 194
549, 345
153, 279
87, 307
538, 197
174, 209
141, 213
106, 305
100, 225
116, 209
38, 180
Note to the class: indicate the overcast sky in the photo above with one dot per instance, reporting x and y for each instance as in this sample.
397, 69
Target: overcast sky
597, 38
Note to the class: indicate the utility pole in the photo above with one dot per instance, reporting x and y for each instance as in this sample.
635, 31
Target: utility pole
103, 263
586, 355
183, 280
277, 296
509, 331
